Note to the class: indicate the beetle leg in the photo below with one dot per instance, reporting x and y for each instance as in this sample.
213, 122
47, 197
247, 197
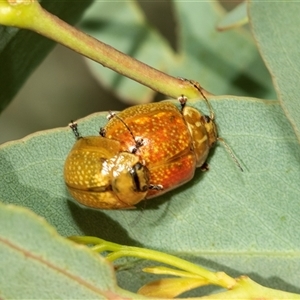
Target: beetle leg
102, 132
204, 167
74, 127
139, 142
110, 115
182, 100
157, 187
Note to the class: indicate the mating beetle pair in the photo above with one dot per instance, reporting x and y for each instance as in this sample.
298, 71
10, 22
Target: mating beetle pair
142, 152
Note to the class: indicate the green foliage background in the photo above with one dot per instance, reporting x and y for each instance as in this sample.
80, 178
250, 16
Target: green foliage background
240, 223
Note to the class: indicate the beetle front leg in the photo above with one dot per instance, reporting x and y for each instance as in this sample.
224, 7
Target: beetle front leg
156, 187
182, 100
139, 142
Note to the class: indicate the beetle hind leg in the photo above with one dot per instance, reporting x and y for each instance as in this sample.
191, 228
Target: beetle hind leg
204, 167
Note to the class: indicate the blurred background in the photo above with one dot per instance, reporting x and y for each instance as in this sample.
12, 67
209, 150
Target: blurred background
62, 87
59, 90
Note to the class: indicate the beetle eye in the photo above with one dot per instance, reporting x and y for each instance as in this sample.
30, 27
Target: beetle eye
138, 166
140, 176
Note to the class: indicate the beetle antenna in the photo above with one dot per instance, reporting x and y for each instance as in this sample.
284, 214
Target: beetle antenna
74, 126
198, 87
138, 141
229, 150
212, 117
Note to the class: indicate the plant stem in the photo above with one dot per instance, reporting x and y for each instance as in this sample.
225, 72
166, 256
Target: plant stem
240, 288
30, 15
118, 251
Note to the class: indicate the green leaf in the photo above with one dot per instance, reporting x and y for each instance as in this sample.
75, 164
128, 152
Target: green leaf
235, 18
223, 63
22, 50
276, 29
37, 263
240, 223
124, 27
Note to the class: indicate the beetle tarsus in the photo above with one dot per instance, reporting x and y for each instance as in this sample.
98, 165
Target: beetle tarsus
74, 126
156, 187
139, 142
133, 150
102, 132
204, 167
182, 100
110, 115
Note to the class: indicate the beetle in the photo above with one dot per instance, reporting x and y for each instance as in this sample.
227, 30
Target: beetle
170, 142
142, 152
99, 175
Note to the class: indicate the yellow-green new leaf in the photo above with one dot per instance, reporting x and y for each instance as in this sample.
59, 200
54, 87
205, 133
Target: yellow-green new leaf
170, 287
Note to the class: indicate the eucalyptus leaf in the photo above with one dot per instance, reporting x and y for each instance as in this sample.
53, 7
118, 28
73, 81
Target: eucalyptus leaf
275, 27
37, 263
235, 18
240, 223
